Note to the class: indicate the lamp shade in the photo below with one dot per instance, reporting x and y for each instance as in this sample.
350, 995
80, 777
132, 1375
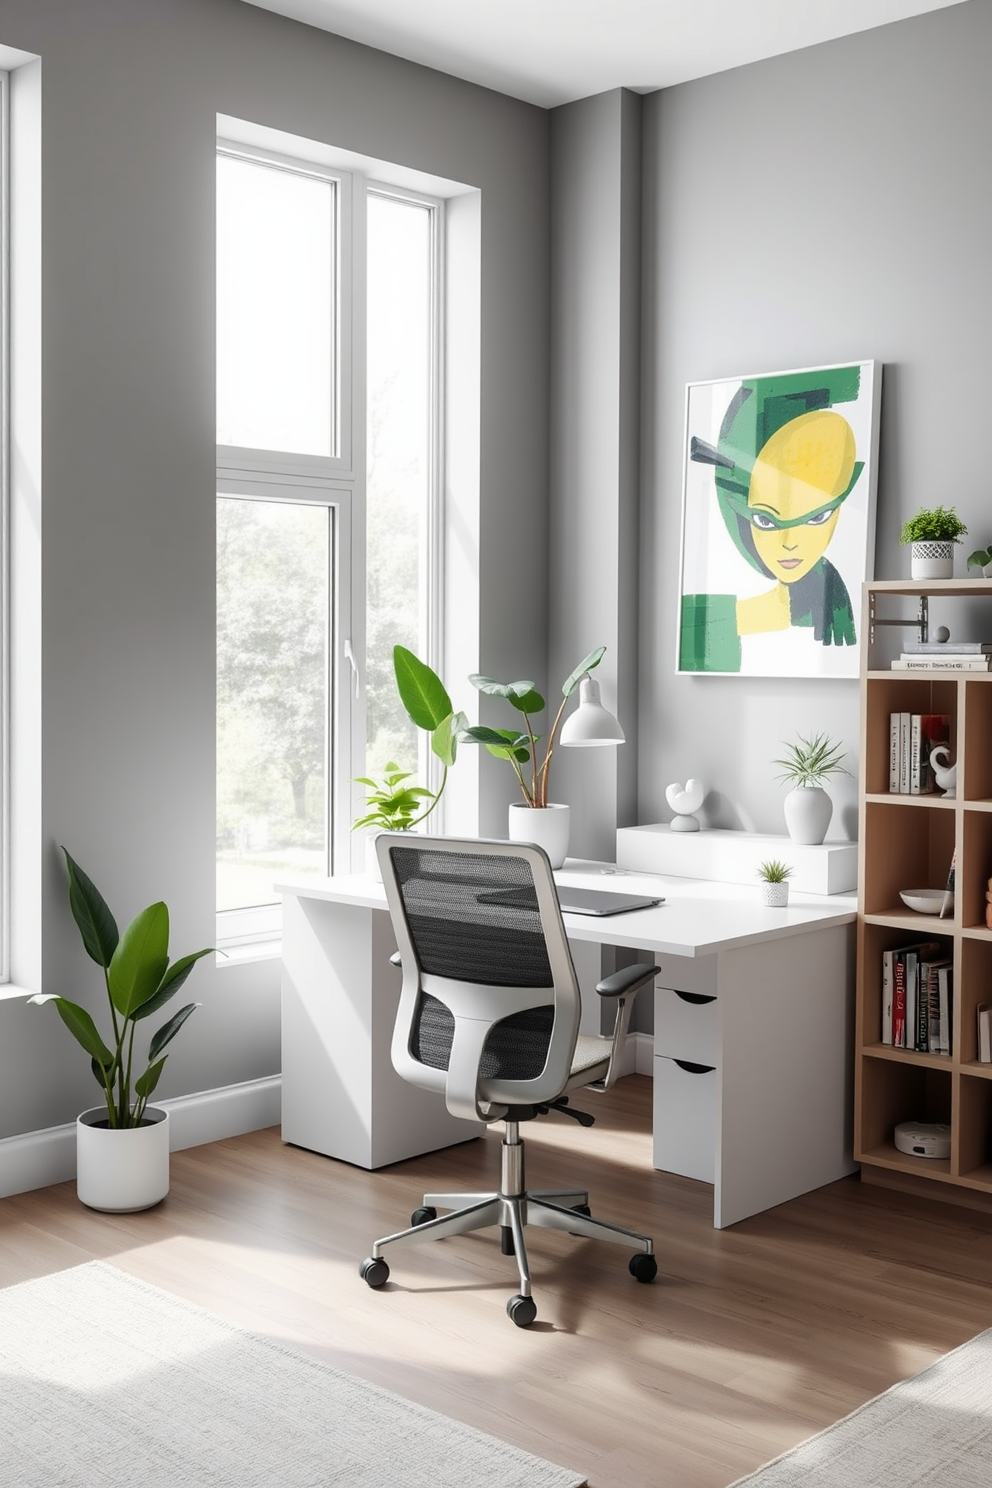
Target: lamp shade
591, 724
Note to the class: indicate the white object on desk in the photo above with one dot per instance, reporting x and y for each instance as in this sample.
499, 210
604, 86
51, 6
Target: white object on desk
767, 1119
685, 800
733, 857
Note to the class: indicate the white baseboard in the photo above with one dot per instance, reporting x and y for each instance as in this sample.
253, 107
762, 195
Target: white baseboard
638, 1055
39, 1158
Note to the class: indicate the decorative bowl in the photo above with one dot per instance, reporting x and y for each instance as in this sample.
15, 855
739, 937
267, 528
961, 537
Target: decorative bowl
925, 901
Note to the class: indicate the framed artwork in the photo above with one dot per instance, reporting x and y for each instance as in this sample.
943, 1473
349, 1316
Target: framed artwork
778, 521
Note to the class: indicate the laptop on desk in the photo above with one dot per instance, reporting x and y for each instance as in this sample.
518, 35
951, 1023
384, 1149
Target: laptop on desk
575, 901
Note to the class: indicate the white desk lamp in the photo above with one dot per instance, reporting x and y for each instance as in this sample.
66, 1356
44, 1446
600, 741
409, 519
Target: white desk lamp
591, 724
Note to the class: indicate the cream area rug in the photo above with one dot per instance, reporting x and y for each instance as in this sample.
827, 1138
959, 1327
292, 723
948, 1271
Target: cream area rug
108, 1383
934, 1431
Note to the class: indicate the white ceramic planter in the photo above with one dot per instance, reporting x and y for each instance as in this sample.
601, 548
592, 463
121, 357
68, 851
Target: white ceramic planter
775, 895
808, 810
545, 825
121, 1171
931, 560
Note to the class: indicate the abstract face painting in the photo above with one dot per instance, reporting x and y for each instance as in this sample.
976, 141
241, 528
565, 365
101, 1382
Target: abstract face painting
777, 522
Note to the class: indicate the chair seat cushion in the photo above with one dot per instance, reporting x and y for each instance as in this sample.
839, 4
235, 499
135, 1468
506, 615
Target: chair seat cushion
589, 1053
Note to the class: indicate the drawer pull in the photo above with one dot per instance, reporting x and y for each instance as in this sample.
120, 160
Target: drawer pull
694, 1069
698, 998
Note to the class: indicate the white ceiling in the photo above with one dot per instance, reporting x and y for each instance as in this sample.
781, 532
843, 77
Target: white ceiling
553, 51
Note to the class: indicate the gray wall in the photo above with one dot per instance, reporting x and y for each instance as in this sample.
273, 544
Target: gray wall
825, 205
130, 90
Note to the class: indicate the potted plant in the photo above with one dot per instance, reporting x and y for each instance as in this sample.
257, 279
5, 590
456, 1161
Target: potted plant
774, 878
122, 1145
535, 818
932, 535
391, 804
807, 764
981, 559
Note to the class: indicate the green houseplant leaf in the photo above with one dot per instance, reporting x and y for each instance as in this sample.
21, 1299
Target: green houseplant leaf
96, 924
80, 1024
588, 664
140, 960
421, 690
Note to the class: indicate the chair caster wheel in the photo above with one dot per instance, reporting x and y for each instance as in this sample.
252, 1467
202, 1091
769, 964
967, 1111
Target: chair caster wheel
376, 1273
521, 1310
423, 1215
643, 1267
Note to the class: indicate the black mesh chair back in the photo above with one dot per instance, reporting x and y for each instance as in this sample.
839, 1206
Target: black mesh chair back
489, 1011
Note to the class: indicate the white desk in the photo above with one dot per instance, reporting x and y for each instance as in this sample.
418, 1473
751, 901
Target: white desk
753, 1085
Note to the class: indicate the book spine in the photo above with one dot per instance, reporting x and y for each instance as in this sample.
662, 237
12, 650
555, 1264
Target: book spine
985, 1034
932, 1044
945, 648
940, 664
904, 753
944, 995
894, 752
887, 989
898, 1000
923, 1008
915, 776
912, 965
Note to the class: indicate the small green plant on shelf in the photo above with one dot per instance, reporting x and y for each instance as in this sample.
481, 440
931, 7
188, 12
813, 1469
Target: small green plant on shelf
774, 872
936, 524
810, 761
982, 558
393, 806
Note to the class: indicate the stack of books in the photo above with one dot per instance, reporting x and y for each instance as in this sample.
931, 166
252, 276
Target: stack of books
917, 998
945, 656
911, 738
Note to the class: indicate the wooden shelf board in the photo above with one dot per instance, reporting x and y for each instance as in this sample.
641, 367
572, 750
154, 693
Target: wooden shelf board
983, 804
976, 932
983, 1071
908, 919
980, 1177
889, 1156
930, 586
911, 1056
903, 798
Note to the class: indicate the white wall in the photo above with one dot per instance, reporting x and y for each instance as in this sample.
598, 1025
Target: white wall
825, 205
130, 93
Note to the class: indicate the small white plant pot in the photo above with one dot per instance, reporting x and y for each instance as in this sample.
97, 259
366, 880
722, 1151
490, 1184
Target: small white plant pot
775, 895
545, 825
931, 560
808, 810
122, 1170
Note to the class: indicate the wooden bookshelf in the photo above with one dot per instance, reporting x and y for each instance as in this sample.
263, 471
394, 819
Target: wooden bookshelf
906, 842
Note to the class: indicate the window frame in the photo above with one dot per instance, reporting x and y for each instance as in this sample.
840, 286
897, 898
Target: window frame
5, 566
339, 481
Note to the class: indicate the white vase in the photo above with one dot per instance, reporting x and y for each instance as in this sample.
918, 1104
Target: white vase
122, 1170
931, 560
775, 895
545, 825
808, 810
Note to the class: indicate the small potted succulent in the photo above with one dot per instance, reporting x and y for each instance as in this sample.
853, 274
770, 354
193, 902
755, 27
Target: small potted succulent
981, 559
807, 764
774, 877
931, 535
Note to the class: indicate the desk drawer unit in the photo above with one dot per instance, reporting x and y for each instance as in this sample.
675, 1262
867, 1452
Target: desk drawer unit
685, 1118
686, 1025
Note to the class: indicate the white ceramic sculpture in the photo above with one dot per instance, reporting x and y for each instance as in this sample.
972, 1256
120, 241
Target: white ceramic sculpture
684, 800
945, 775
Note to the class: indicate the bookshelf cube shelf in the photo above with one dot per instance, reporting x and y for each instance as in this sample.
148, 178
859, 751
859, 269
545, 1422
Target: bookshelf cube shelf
905, 842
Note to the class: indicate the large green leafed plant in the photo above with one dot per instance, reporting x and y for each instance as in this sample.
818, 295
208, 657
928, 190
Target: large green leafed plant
519, 746
139, 980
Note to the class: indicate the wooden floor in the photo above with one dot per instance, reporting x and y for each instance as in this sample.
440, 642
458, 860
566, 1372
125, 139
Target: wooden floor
750, 1339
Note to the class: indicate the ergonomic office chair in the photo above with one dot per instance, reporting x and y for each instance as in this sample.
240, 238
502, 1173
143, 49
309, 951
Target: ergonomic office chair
488, 1017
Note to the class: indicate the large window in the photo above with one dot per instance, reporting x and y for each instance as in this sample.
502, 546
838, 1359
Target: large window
328, 428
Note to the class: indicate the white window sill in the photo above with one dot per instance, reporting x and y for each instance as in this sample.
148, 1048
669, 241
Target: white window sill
254, 950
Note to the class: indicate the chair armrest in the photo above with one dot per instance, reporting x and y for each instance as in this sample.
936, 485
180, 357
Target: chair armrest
622, 986
630, 979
